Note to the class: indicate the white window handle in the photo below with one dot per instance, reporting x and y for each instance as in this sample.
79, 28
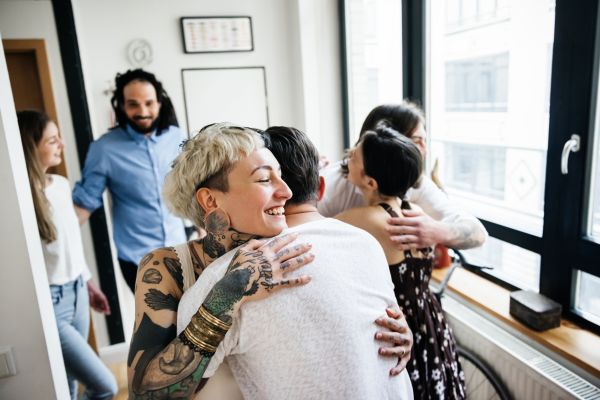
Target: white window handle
571, 145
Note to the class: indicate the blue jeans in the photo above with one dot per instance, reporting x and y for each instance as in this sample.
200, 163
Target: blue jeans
71, 307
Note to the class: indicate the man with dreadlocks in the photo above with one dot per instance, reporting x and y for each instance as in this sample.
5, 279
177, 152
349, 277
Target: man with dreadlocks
131, 161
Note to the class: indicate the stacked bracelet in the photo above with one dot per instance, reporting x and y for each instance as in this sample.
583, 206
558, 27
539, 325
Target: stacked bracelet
204, 332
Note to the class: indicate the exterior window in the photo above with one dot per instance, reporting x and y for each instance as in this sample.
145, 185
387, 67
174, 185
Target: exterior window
479, 84
462, 14
477, 169
373, 39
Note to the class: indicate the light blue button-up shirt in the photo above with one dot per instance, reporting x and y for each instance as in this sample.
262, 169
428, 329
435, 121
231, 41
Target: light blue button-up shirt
133, 167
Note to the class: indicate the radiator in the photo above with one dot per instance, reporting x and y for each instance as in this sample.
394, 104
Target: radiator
526, 372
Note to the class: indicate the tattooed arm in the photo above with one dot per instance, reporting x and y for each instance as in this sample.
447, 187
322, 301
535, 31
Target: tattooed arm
415, 229
161, 365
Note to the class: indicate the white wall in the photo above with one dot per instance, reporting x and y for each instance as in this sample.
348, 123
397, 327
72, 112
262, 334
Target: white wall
28, 323
321, 84
104, 35
106, 28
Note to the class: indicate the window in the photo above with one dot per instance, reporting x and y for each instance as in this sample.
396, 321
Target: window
475, 169
506, 84
373, 42
461, 14
489, 129
478, 84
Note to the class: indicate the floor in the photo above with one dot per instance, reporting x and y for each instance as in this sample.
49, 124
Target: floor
120, 372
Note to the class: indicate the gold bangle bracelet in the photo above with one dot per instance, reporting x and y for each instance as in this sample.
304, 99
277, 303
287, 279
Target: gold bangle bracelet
206, 329
198, 342
203, 312
205, 334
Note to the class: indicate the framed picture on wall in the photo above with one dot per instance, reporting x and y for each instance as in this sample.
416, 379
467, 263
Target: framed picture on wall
216, 34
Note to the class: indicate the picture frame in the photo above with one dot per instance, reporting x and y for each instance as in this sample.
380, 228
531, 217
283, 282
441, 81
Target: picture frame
217, 34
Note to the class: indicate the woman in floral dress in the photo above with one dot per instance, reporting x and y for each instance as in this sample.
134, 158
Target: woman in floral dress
384, 165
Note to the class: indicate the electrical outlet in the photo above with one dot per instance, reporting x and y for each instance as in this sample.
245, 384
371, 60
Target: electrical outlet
7, 362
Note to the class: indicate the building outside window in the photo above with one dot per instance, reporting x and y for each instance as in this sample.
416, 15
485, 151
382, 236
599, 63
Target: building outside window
373, 57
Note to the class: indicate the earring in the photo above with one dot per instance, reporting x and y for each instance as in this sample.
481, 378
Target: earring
216, 222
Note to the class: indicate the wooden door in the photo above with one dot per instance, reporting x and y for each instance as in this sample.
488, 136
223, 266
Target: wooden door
30, 82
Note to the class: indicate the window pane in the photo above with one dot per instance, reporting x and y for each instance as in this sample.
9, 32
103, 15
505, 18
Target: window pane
587, 297
593, 223
510, 263
374, 57
488, 85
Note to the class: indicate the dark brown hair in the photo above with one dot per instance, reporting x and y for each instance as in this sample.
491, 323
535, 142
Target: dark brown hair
299, 160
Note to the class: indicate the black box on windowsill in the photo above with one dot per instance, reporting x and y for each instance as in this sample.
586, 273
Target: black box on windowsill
535, 310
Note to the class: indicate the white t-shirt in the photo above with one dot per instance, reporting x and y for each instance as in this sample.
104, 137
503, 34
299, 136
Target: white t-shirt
64, 257
341, 195
315, 341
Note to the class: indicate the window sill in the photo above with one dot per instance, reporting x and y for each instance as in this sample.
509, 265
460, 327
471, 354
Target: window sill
575, 344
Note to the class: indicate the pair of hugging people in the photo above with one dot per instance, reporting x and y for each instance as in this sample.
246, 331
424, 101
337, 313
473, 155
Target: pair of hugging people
309, 342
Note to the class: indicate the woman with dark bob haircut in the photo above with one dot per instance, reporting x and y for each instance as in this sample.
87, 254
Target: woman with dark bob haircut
384, 165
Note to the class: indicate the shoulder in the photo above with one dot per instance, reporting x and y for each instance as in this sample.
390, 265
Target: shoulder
360, 223
59, 180
113, 135
361, 216
60, 186
173, 133
105, 143
161, 266
351, 215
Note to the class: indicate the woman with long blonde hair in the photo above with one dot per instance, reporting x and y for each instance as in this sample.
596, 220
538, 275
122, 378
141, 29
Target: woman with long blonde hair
68, 275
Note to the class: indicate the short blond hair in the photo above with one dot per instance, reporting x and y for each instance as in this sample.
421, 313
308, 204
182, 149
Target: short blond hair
205, 161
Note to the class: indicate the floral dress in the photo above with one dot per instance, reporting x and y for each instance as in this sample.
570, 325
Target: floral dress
433, 368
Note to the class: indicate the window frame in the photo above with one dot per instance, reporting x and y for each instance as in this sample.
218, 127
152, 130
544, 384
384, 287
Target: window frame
563, 246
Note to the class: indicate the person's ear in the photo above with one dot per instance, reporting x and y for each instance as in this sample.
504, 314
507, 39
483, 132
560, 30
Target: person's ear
371, 183
206, 199
321, 190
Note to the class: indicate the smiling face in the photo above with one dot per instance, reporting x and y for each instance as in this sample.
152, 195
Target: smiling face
141, 105
50, 147
256, 195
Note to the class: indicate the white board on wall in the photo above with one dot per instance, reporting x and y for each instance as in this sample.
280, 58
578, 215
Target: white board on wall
236, 95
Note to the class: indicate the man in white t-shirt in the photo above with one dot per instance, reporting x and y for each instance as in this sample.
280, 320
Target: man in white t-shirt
315, 342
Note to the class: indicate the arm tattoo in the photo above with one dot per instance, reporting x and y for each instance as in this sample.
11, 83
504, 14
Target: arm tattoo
464, 235
149, 338
157, 300
227, 292
181, 389
239, 283
182, 357
152, 275
167, 367
146, 259
174, 267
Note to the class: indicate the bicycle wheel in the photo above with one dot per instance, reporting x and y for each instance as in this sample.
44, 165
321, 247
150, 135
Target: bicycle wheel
481, 382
